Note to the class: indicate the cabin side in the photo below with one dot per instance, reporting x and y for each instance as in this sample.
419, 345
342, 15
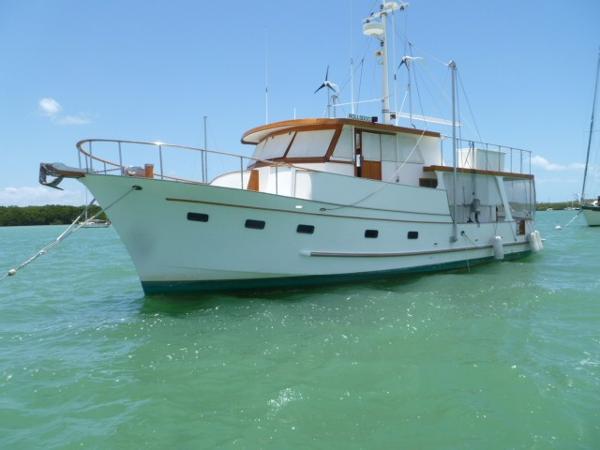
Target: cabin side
299, 157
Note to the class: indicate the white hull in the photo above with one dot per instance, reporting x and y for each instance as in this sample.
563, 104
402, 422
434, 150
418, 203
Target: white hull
171, 252
592, 217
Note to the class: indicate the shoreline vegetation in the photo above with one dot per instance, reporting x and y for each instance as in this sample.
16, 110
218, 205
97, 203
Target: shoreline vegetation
11, 216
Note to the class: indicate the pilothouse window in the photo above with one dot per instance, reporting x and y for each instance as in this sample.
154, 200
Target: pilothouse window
273, 146
311, 144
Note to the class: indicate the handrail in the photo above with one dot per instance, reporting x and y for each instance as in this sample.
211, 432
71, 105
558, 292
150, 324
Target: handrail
487, 144
81, 147
525, 156
80, 144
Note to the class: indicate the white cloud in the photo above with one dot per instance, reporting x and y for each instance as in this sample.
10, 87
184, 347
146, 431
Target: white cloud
544, 164
49, 107
39, 195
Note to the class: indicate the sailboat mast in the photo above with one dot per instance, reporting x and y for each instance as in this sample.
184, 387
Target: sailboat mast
589, 144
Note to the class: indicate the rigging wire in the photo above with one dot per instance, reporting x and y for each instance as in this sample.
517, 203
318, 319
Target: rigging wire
462, 86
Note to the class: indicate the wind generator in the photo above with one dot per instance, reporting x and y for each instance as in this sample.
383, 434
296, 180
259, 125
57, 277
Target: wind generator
330, 87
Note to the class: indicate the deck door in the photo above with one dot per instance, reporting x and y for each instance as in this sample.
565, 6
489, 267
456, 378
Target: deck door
367, 149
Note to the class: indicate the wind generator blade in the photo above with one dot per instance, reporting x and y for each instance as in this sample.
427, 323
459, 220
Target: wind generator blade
327, 73
320, 87
427, 119
331, 85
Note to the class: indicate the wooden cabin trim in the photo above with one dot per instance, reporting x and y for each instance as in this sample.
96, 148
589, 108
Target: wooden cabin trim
253, 182
322, 123
290, 144
478, 172
334, 142
292, 161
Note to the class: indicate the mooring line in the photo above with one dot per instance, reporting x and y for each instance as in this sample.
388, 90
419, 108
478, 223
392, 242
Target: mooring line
65, 234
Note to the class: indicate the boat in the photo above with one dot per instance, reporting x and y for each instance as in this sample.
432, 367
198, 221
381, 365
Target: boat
321, 200
94, 223
591, 210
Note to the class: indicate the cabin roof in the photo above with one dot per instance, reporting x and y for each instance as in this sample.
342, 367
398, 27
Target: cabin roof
255, 135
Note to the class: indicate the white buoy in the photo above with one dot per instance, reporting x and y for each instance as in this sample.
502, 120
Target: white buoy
498, 247
558, 227
12, 272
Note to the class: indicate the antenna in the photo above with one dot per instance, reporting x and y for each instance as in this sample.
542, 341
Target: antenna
266, 76
204, 154
352, 85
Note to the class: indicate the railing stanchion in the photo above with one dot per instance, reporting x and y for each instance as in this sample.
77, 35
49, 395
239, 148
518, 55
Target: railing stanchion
160, 161
91, 158
521, 161
104, 167
276, 180
120, 157
79, 157
241, 172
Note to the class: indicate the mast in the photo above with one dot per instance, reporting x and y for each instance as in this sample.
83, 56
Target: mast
385, 101
454, 236
589, 144
376, 25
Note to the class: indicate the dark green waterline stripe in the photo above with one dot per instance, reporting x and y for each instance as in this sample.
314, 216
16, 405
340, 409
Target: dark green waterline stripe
165, 287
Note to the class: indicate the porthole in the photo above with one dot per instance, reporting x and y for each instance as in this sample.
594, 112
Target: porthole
305, 229
413, 235
255, 224
371, 233
197, 217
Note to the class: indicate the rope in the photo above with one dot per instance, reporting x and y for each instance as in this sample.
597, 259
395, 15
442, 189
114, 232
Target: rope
75, 226
574, 217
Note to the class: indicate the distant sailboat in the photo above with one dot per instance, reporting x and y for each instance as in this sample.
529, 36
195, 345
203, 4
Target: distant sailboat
91, 222
591, 211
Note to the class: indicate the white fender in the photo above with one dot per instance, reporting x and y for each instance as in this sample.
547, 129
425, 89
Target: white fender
535, 241
498, 247
540, 240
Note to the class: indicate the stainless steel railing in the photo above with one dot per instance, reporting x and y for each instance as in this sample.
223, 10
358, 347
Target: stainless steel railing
497, 157
92, 158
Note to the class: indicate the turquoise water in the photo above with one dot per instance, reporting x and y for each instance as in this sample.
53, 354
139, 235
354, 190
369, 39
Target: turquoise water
507, 356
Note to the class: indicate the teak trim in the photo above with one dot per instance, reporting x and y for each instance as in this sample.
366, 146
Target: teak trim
478, 172
289, 125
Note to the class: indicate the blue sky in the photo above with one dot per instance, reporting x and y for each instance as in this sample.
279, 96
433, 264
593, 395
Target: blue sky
151, 70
